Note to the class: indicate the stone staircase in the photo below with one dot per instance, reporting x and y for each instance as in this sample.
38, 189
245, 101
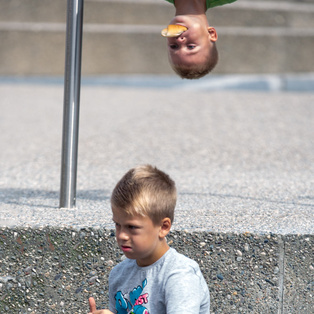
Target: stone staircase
122, 37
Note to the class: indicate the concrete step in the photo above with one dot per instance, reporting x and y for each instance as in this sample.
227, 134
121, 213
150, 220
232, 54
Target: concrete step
39, 49
245, 273
147, 12
32, 35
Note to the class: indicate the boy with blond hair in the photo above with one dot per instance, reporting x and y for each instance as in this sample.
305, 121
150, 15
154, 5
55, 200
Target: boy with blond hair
192, 52
154, 278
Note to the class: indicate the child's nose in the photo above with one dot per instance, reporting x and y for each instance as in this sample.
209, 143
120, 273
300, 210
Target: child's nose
122, 235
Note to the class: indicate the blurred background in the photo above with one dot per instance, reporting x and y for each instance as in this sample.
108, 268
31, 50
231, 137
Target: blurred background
123, 37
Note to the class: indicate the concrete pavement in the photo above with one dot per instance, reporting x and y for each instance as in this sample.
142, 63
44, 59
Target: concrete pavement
242, 161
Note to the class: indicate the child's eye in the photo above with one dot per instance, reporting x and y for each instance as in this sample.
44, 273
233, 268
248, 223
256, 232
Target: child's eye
173, 46
190, 47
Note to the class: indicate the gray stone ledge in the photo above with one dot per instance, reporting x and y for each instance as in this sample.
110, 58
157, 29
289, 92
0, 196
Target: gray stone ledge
55, 270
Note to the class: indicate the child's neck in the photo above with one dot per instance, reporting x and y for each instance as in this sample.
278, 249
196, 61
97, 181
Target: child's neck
190, 7
157, 254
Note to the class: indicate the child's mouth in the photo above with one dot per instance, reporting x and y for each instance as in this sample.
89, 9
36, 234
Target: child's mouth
125, 248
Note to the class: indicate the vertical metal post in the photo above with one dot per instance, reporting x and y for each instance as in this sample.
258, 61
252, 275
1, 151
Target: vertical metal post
71, 106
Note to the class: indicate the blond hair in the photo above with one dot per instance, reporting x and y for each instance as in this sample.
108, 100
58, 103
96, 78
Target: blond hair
147, 191
198, 70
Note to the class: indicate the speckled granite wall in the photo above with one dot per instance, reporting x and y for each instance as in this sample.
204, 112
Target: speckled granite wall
52, 270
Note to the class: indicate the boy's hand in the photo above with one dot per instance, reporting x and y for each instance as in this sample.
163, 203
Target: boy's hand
93, 310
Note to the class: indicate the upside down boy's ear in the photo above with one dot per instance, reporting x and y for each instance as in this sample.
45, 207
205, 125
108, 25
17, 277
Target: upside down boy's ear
212, 33
165, 227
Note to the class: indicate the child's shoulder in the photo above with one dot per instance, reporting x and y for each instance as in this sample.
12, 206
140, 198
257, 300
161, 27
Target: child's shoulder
216, 3
180, 261
184, 271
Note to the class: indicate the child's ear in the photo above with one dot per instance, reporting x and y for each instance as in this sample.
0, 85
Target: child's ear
165, 227
212, 33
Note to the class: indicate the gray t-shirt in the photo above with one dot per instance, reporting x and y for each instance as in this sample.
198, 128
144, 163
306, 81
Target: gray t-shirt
172, 285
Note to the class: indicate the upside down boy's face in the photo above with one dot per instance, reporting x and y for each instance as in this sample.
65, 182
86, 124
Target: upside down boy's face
192, 46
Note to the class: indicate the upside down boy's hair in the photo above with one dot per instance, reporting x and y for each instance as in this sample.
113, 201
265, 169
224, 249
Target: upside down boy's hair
198, 71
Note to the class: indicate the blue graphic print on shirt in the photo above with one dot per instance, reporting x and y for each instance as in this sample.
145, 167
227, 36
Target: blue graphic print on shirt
135, 303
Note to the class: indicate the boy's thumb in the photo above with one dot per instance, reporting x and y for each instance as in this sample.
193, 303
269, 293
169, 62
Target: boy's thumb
92, 304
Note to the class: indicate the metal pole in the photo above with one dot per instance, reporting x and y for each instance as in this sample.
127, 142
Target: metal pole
71, 106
